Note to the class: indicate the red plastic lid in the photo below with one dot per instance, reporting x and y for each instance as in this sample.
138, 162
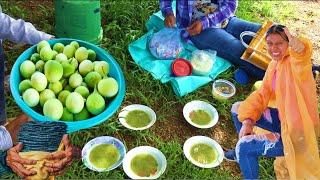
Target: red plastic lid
181, 67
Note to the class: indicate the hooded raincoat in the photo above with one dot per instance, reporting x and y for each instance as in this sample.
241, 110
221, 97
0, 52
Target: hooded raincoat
289, 86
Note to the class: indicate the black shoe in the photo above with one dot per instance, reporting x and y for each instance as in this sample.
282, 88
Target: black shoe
315, 68
315, 71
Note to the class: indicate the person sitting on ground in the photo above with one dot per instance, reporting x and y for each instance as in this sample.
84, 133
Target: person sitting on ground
212, 24
286, 105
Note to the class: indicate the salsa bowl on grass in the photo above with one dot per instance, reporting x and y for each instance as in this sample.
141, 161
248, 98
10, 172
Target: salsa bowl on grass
144, 162
137, 117
223, 89
103, 153
111, 104
203, 151
200, 114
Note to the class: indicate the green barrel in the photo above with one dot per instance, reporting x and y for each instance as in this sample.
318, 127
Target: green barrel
78, 19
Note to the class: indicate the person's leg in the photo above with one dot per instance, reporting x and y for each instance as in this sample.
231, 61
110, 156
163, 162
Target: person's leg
250, 148
227, 47
265, 122
268, 121
2, 92
12, 126
236, 26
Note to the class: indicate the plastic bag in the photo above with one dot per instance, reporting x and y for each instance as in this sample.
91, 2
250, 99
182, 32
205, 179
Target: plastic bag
202, 61
166, 43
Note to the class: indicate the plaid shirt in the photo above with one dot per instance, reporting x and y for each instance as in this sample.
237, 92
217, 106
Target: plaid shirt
184, 9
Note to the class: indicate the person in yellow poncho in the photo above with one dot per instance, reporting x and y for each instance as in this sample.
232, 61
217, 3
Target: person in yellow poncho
285, 105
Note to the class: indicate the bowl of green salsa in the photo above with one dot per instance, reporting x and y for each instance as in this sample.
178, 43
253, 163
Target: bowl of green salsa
203, 151
137, 117
144, 162
103, 153
200, 114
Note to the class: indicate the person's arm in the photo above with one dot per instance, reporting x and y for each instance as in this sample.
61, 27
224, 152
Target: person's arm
165, 7
5, 139
20, 31
254, 105
226, 8
301, 49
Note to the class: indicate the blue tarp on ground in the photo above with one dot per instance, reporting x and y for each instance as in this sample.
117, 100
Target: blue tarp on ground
161, 69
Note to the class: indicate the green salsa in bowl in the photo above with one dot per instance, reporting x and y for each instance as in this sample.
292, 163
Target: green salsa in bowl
137, 117
103, 153
200, 114
144, 162
203, 151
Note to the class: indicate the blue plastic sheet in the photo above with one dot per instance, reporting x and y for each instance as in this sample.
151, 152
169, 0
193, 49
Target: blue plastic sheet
160, 69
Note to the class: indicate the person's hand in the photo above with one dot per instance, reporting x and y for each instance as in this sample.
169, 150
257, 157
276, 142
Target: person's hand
195, 28
62, 159
15, 162
294, 42
170, 20
246, 129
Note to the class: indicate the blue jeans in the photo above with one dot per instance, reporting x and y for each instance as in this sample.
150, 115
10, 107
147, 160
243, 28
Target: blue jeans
2, 92
227, 43
249, 148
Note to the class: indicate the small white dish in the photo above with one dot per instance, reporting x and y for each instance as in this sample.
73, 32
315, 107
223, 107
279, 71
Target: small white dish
86, 150
200, 105
124, 112
157, 154
205, 140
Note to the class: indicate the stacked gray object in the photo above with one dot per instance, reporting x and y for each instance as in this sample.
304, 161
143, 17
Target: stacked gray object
41, 136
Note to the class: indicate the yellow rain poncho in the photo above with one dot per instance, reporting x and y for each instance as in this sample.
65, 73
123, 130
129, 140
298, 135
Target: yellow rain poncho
294, 95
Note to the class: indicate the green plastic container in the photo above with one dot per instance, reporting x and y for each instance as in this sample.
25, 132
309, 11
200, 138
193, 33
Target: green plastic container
78, 20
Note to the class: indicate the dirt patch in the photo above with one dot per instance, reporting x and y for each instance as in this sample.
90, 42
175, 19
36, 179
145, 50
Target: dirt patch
174, 128
307, 22
179, 129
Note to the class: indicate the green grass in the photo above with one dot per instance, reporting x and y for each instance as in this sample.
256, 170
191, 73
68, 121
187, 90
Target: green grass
260, 10
124, 22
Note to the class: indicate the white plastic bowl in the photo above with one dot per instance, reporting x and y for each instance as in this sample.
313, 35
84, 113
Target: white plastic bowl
157, 154
124, 112
206, 140
102, 140
220, 95
200, 105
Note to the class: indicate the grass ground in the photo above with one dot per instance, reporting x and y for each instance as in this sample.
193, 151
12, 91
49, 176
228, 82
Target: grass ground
124, 22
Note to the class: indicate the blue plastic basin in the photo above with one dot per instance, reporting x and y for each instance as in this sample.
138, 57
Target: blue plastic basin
112, 104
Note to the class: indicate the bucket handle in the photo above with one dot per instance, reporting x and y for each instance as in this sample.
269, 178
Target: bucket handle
252, 34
